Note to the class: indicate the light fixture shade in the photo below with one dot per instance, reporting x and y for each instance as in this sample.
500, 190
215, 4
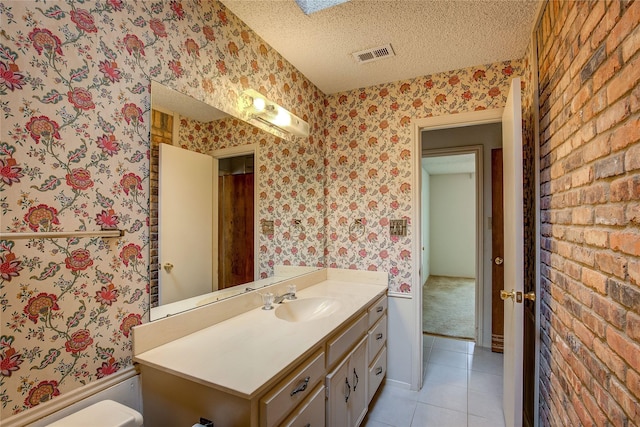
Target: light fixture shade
259, 108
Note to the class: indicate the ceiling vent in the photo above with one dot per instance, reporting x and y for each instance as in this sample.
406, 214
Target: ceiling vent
374, 54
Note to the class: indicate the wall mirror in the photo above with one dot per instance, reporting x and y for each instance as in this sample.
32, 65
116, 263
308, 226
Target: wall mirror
208, 235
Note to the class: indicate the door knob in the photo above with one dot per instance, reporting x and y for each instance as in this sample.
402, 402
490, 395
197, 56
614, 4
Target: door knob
168, 267
498, 260
531, 296
506, 294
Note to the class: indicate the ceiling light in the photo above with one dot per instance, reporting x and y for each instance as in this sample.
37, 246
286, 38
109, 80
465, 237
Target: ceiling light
312, 6
258, 108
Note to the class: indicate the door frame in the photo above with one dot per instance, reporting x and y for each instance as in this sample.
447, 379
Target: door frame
224, 153
418, 125
477, 151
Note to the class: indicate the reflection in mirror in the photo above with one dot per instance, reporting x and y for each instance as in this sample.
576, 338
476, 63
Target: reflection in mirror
205, 239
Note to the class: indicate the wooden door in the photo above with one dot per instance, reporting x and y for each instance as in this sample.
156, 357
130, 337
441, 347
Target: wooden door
513, 256
497, 252
185, 224
235, 230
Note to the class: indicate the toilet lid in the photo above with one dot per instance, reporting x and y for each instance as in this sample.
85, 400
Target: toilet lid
105, 413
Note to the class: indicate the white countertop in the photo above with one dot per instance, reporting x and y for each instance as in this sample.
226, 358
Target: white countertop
243, 354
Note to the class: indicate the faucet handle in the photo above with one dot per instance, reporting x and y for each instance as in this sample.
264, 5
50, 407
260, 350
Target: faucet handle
291, 290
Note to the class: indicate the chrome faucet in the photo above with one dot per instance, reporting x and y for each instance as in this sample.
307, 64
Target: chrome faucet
279, 298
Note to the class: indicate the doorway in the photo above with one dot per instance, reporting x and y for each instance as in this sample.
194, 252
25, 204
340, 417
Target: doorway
236, 223
236, 204
449, 206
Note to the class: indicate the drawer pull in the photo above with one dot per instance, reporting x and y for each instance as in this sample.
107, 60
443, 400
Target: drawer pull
379, 309
302, 387
348, 390
379, 336
356, 379
378, 370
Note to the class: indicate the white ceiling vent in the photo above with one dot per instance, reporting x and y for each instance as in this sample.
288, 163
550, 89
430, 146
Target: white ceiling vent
374, 54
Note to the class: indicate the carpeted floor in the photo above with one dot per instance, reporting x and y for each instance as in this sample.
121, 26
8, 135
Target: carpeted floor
448, 306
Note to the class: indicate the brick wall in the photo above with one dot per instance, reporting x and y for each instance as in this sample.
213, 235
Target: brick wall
589, 64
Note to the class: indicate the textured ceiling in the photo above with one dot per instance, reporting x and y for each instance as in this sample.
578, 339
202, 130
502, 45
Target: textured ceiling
428, 36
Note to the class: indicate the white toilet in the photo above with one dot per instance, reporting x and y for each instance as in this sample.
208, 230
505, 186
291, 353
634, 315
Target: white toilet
105, 413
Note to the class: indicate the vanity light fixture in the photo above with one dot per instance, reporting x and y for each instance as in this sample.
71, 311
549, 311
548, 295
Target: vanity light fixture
312, 6
260, 109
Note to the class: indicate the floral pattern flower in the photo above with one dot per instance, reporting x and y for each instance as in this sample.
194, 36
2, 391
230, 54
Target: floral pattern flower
43, 392
129, 322
83, 20
41, 216
79, 259
107, 295
10, 173
130, 183
78, 341
41, 305
44, 40
107, 368
10, 361
9, 266
10, 77
79, 179
43, 127
81, 98
130, 253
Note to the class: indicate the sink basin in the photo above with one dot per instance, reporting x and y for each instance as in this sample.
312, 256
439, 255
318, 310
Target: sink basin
303, 310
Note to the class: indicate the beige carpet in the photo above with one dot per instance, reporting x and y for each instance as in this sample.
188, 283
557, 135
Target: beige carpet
448, 306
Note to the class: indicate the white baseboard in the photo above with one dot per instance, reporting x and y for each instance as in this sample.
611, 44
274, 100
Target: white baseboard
122, 387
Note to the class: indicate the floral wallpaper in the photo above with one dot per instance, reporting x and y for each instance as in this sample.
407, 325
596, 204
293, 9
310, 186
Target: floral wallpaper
74, 155
368, 160
290, 183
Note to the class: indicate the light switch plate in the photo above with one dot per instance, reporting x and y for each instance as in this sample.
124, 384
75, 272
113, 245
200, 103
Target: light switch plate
398, 227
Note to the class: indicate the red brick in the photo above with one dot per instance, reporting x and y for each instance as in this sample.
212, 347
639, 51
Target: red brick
633, 213
595, 15
593, 194
626, 242
582, 216
634, 272
613, 115
625, 294
617, 366
629, 20
625, 189
633, 383
633, 326
596, 237
610, 166
610, 311
607, 70
598, 147
625, 348
583, 255
612, 264
610, 214
593, 322
625, 135
632, 158
621, 395
594, 280
624, 81
631, 44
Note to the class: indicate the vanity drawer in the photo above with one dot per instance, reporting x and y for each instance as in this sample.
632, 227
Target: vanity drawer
344, 341
291, 391
377, 371
311, 413
377, 338
377, 310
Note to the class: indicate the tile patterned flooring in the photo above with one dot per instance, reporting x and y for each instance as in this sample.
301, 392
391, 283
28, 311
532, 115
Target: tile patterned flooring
462, 388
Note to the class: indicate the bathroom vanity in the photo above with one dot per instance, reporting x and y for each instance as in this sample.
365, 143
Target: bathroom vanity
313, 361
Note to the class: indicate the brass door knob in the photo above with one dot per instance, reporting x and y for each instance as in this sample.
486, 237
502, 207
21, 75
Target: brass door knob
506, 294
531, 296
168, 267
498, 260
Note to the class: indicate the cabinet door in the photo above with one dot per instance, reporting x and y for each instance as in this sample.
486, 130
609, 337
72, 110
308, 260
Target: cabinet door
357, 377
339, 390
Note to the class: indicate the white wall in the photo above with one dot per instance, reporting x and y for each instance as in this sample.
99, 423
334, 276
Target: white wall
452, 225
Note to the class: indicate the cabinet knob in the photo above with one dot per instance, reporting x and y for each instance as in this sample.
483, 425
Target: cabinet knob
379, 309
379, 336
378, 370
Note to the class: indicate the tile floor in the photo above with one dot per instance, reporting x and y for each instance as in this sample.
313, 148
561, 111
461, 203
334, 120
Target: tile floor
462, 388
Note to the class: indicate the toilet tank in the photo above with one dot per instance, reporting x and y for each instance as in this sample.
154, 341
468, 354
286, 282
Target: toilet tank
105, 413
